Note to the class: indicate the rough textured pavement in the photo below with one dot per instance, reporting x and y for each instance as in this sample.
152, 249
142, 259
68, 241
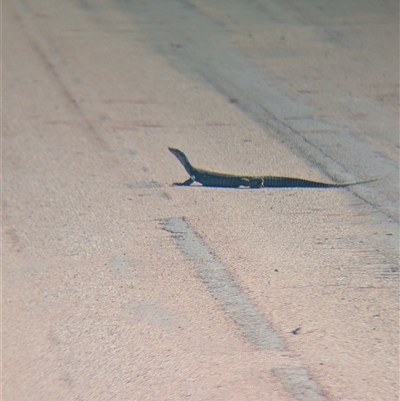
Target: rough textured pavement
119, 286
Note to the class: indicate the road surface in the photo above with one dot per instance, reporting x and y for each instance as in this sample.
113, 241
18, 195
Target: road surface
118, 285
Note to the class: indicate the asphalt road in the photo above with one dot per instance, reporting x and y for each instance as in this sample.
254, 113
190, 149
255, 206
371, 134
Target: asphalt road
118, 285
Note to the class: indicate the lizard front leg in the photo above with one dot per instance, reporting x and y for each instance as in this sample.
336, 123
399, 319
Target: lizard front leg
188, 182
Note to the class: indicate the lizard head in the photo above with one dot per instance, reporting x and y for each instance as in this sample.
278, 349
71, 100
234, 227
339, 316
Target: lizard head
183, 159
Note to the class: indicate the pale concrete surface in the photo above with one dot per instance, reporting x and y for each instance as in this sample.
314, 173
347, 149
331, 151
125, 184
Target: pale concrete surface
99, 300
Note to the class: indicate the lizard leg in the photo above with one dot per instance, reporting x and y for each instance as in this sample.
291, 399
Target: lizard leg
185, 184
249, 182
256, 183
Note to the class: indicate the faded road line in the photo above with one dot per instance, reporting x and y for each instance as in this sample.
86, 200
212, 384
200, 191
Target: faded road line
297, 381
220, 284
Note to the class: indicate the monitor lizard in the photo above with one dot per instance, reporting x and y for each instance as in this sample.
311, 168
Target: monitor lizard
212, 179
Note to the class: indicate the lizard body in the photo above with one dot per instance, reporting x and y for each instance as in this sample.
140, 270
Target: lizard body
212, 179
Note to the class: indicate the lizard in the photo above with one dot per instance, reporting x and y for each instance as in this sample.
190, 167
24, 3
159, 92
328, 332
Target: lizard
213, 179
